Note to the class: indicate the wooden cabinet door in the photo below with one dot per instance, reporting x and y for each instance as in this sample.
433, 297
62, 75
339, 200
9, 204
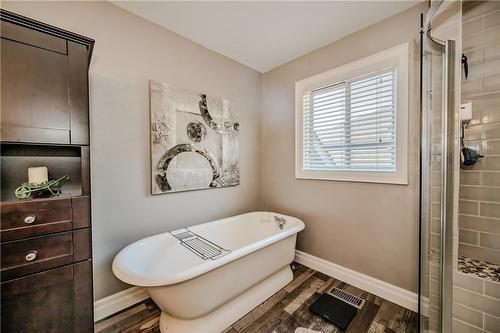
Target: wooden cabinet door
34, 80
44, 82
57, 300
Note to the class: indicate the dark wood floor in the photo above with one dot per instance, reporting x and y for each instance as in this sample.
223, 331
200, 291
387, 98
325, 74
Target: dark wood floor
285, 311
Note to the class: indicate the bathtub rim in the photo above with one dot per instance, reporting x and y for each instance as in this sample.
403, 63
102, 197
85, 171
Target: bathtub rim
119, 265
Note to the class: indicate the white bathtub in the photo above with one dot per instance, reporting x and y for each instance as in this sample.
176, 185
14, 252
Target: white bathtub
210, 294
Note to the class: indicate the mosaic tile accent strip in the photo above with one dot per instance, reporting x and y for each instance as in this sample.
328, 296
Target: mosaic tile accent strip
479, 268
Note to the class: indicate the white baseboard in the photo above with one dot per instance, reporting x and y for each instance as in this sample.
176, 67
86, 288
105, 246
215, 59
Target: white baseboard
390, 292
107, 306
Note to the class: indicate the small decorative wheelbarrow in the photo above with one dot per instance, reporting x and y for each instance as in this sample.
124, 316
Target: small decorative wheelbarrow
49, 188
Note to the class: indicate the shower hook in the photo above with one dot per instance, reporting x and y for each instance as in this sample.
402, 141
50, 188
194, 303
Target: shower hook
466, 65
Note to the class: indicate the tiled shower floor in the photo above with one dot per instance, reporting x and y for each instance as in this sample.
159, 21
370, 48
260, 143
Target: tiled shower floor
482, 269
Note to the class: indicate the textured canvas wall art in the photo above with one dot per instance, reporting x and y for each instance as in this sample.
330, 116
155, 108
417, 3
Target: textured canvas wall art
194, 141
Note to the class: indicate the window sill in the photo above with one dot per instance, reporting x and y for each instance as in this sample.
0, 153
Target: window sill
357, 177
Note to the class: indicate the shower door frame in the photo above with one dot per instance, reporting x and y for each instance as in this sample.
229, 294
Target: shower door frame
447, 196
447, 172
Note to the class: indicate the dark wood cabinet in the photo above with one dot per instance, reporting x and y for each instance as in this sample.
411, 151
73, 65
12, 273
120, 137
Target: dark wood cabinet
55, 300
44, 86
45, 243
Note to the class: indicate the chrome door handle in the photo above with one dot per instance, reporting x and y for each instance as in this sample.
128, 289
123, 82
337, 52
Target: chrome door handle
31, 256
29, 219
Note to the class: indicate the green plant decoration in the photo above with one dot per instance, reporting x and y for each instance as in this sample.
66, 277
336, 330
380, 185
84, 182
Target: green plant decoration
51, 186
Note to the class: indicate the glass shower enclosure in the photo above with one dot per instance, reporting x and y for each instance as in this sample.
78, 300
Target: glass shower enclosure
437, 178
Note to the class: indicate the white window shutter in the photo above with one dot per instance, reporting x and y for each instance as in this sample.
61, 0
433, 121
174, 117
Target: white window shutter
351, 125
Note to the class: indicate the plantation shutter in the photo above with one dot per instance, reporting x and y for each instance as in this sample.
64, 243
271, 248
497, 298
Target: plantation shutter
352, 125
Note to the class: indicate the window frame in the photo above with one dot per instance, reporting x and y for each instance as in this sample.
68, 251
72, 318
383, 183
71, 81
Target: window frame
397, 57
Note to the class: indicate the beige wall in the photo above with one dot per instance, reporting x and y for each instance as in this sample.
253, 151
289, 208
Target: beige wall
479, 219
128, 52
370, 228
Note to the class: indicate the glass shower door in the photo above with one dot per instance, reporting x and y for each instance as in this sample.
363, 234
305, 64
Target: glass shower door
436, 211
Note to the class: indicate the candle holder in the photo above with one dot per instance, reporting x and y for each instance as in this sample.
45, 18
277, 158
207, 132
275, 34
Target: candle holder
45, 189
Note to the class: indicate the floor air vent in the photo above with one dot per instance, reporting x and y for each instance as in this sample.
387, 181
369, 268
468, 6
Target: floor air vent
338, 307
347, 297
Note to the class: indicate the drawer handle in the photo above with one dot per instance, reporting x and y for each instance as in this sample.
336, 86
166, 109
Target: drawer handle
31, 256
29, 219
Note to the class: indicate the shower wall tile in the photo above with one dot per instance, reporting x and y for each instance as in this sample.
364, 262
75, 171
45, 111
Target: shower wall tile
461, 327
490, 178
491, 324
489, 163
492, 20
482, 253
436, 178
468, 282
475, 56
436, 225
490, 209
479, 223
468, 207
473, 9
492, 131
490, 240
491, 147
475, 144
492, 52
477, 301
472, 87
468, 237
474, 132
473, 26
490, 115
470, 178
481, 40
484, 101
492, 289
479, 230
492, 83
480, 193
486, 69
468, 315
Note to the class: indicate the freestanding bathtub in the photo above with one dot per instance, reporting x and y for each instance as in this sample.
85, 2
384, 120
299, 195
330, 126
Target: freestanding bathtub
207, 276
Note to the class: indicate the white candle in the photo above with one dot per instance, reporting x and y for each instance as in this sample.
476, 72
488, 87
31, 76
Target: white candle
38, 175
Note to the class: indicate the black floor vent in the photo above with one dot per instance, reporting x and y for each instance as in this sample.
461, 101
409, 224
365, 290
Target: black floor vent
347, 297
338, 307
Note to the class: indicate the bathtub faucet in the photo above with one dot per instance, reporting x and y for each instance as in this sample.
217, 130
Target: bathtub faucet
281, 221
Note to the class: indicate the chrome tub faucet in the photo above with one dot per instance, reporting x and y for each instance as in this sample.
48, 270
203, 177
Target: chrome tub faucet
280, 220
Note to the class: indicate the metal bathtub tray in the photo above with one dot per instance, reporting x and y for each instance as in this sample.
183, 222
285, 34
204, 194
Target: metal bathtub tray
200, 246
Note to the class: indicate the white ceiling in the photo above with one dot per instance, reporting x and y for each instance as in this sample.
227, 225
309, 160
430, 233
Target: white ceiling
264, 35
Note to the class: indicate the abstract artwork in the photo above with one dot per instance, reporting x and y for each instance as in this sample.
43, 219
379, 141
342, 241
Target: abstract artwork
194, 141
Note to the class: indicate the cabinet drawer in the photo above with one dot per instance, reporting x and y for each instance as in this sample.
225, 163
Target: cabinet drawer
33, 218
33, 255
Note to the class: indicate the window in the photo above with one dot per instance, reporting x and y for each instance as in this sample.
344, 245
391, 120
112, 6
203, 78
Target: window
352, 121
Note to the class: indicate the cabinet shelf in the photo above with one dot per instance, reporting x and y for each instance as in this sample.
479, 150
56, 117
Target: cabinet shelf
60, 160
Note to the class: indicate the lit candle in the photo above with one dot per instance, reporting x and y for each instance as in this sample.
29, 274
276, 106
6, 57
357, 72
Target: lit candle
38, 175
